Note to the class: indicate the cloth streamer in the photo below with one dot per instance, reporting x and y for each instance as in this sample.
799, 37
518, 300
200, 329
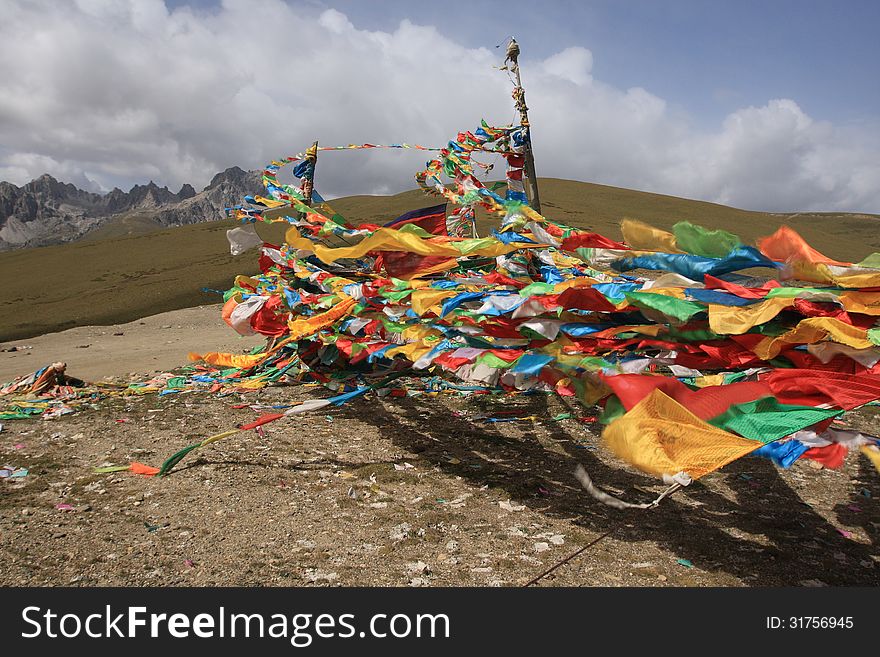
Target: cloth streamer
694, 362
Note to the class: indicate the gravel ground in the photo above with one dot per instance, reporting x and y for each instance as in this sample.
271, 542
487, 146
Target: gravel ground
153, 343
406, 492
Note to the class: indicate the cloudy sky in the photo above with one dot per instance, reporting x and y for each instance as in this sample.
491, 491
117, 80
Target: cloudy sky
770, 105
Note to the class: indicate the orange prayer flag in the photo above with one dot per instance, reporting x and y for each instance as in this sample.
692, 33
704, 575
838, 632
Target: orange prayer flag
140, 468
785, 244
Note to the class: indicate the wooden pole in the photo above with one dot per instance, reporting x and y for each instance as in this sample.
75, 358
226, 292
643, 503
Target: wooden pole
308, 184
519, 97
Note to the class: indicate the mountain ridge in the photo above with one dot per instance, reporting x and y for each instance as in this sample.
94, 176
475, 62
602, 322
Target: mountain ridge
46, 211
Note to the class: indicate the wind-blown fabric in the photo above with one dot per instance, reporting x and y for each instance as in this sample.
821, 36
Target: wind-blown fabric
695, 363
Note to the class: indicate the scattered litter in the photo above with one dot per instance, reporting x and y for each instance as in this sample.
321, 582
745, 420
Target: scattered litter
154, 528
459, 501
508, 505
10, 472
484, 418
18, 446
400, 532
64, 507
685, 562
315, 575
542, 547
844, 533
134, 467
419, 567
405, 466
187, 562
855, 508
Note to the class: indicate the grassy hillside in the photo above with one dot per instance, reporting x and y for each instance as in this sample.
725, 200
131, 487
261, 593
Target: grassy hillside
126, 225
115, 277
843, 236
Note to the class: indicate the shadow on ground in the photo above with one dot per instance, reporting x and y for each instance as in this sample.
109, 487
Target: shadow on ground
760, 530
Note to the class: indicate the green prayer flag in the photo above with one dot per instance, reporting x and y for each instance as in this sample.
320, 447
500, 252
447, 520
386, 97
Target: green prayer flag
767, 420
703, 241
678, 309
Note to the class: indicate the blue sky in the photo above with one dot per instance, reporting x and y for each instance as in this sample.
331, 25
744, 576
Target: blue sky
708, 56
766, 105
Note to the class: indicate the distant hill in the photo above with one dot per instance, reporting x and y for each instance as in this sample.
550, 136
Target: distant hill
120, 277
46, 211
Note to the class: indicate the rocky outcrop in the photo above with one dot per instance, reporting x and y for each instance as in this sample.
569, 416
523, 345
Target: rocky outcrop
46, 211
226, 189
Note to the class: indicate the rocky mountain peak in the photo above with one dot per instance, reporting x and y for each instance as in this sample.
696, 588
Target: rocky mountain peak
187, 191
232, 175
46, 211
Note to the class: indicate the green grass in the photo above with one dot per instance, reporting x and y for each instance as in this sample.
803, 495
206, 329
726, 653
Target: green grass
113, 278
126, 225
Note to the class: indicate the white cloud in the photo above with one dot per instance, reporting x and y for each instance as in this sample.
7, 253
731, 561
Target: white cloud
572, 64
123, 92
18, 166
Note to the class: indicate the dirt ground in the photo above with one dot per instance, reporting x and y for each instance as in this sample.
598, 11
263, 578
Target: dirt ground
415, 491
155, 343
